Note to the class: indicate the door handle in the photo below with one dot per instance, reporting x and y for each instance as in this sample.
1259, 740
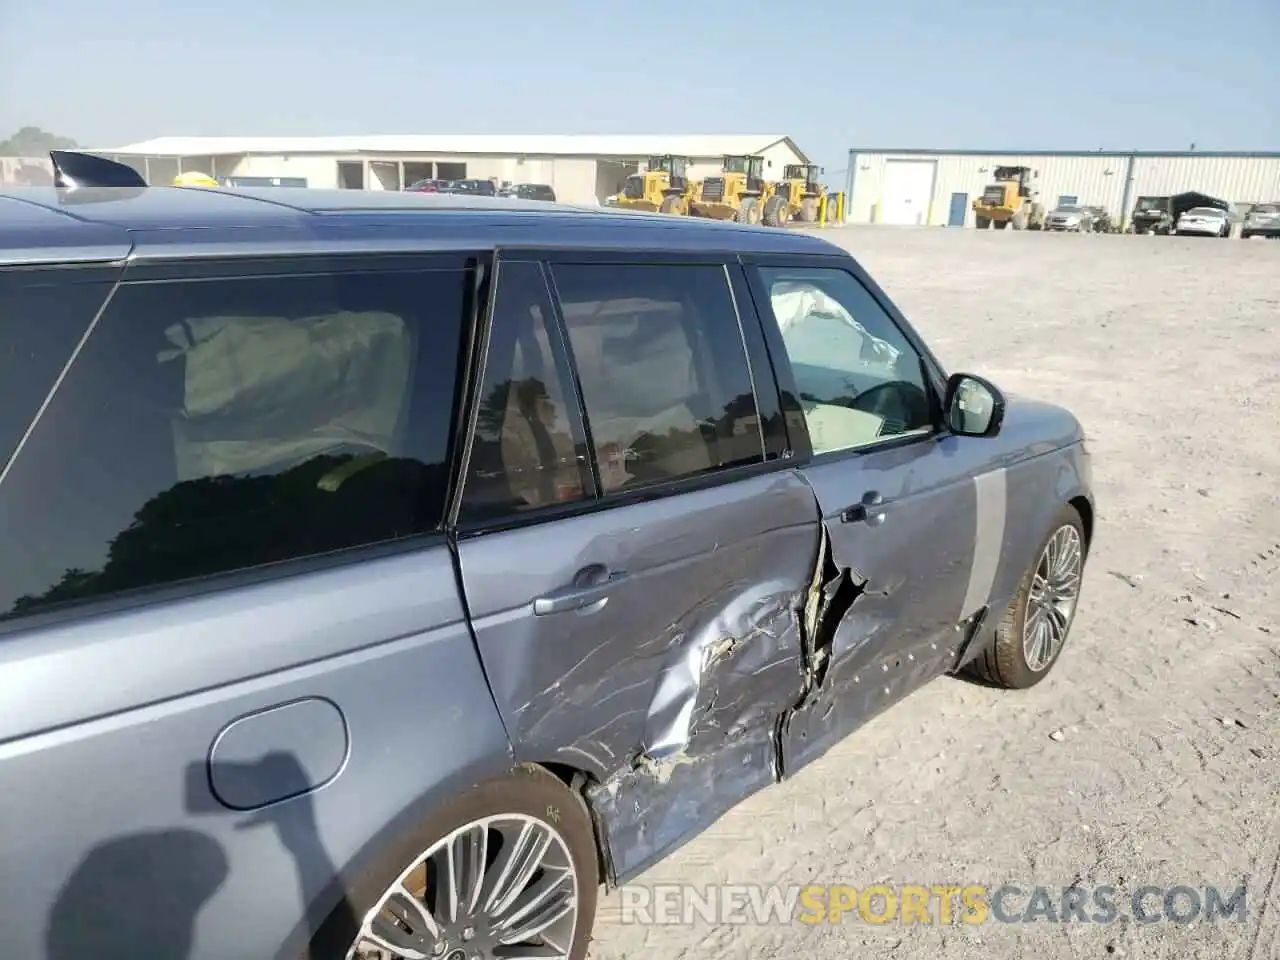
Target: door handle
575, 597
865, 510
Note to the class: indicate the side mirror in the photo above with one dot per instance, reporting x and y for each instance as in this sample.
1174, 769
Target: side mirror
975, 407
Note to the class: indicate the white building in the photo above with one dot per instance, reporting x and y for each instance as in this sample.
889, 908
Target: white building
937, 187
581, 169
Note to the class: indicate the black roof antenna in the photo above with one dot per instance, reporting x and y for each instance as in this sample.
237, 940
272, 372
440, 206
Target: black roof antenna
72, 169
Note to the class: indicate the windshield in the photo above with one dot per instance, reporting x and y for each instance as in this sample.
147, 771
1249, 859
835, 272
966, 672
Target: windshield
1069, 209
1205, 212
1150, 203
735, 164
1267, 208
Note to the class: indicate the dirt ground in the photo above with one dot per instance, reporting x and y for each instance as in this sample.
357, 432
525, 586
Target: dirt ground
1151, 755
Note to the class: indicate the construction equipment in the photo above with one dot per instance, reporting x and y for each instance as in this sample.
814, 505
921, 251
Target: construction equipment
798, 196
663, 187
738, 194
1013, 200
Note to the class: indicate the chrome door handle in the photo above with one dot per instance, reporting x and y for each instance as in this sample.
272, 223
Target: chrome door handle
575, 597
867, 510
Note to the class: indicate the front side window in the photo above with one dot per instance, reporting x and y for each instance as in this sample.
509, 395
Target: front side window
860, 381
663, 370
218, 425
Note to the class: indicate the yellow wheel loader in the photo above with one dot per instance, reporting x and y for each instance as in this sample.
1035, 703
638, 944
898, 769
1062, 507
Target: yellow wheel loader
1012, 201
738, 194
664, 187
798, 196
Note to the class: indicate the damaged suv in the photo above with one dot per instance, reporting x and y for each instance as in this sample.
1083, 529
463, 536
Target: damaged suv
384, 574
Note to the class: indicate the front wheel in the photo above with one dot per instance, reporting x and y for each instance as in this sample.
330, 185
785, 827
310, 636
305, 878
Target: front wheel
775, 212
1033, 629
508, 869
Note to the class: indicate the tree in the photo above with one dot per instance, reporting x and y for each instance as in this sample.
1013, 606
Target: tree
34, 142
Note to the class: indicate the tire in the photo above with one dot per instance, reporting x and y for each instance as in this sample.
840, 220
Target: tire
748, 211
775, 212
1000, 224
670, 205
809, 210
527, 792
981, 223
1004, 662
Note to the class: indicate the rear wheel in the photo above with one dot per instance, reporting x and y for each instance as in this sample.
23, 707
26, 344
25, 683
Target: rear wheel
1033, 629
509, 869
748, 211
775, 212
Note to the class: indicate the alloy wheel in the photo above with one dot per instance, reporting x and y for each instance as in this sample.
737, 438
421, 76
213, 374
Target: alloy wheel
1051, 601
499, 887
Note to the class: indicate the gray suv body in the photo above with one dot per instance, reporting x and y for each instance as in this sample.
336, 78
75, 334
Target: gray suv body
390, 572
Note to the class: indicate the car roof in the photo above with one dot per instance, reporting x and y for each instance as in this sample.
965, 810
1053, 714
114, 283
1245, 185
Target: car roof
51, 225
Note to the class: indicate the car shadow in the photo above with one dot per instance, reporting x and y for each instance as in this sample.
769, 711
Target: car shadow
140, 895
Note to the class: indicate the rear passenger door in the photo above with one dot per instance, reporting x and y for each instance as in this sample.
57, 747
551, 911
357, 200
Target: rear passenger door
633, 544
910, 566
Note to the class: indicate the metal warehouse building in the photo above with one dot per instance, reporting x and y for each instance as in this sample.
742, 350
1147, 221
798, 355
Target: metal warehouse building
937, 187
581, 169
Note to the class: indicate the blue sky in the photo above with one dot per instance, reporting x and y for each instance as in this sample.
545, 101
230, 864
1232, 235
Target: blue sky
908, 73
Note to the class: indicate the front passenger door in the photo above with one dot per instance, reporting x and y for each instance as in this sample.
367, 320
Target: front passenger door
908, 565
633, 575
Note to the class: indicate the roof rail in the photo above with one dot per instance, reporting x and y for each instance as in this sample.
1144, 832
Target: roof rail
72, 169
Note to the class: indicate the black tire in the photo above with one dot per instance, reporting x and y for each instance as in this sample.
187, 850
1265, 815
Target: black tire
981, 223
1245, 235
809, 210
748, 211
528, 790
775, 212
1004, 662
1000, 224
670, 205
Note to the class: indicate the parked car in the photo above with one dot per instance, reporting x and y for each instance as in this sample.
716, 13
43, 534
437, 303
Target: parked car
1204, 222
476, 188
427, 186
530, 191
1069, 218
1263, 220
389, 594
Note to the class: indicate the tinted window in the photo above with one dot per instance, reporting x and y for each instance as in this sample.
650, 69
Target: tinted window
43, 314
860, 380
219, 425
663, 370
526, 451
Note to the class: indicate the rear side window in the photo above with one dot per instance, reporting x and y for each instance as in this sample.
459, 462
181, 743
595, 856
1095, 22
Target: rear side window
663, 370
43, 315
527, 450
218, 425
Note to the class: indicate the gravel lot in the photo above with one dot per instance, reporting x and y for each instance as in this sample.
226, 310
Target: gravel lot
1151, 755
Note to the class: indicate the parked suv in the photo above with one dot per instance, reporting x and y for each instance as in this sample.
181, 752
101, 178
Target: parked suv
388, 572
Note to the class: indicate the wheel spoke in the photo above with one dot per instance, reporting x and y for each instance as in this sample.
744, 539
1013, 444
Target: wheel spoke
466, 861
403, 925
538, 906
520, 858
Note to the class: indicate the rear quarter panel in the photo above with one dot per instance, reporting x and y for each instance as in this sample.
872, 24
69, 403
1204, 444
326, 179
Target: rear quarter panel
112, 843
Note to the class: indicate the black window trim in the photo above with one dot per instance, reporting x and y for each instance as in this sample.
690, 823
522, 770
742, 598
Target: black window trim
289, 265
470, 408
934, 374
760, 377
